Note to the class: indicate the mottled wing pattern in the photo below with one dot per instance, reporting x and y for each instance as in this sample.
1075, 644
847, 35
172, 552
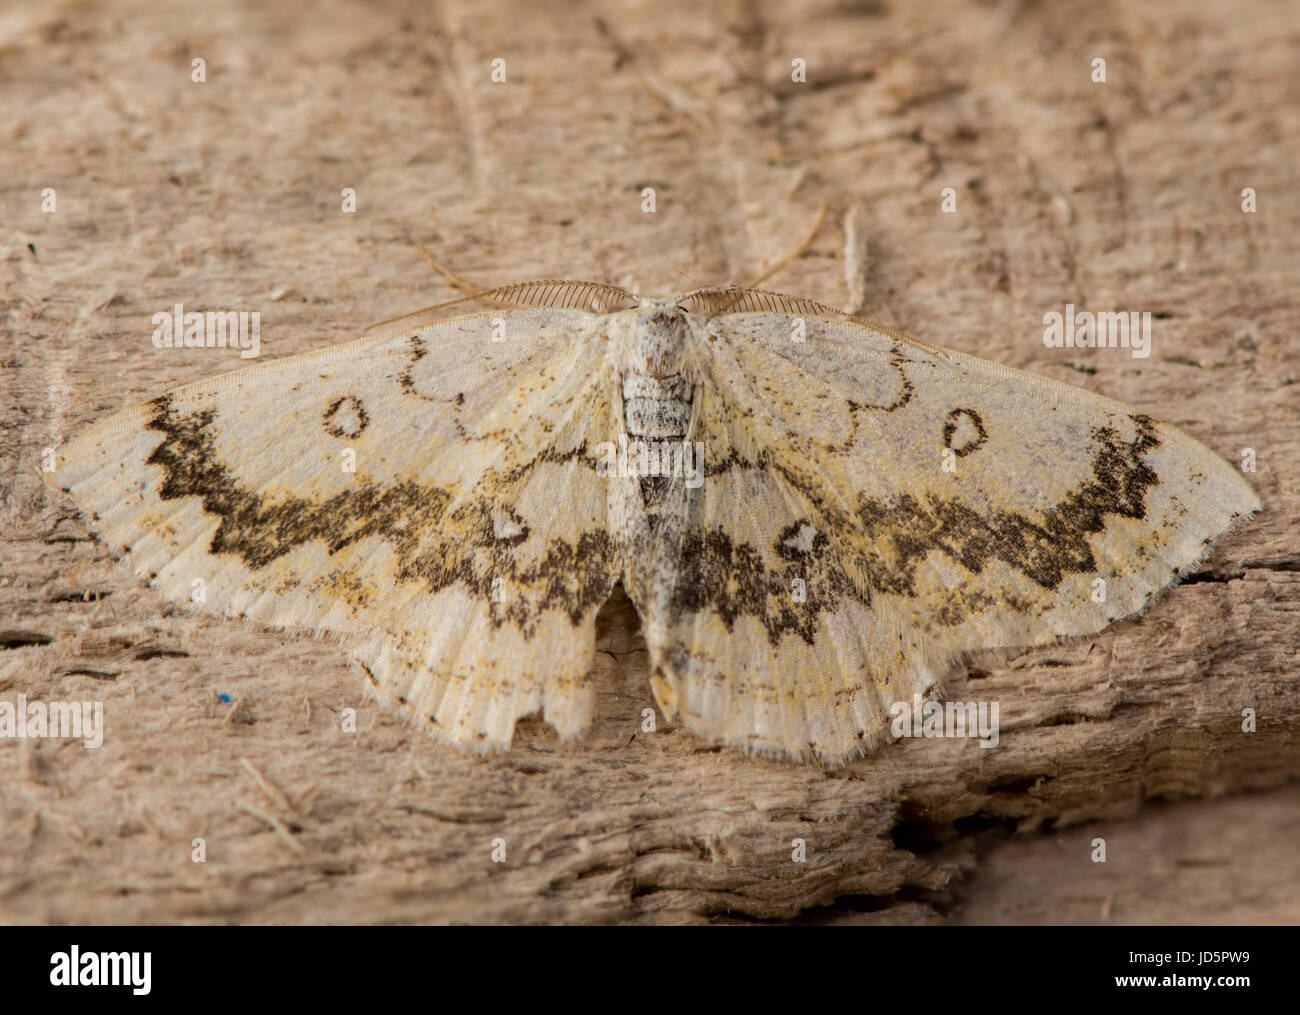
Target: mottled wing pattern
929, 502
424, 494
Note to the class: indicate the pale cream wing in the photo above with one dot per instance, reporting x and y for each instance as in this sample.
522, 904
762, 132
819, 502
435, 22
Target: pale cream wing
429, 495
938, 503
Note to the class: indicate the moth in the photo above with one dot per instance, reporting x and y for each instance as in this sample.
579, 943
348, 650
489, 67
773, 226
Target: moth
814, 515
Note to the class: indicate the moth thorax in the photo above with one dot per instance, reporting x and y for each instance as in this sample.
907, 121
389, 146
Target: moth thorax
656, 408
660, 343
